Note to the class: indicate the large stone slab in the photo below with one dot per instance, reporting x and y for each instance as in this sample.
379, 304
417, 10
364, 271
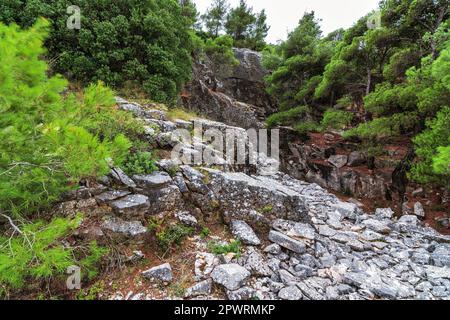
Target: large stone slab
231, 276
244, 233
287, 242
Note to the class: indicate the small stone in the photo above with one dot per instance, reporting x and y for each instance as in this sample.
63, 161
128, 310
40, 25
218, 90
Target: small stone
287, 278
256, 264
418, 210
287, 242
231, 276
409, 220
338, 161
290, 293
187, 219
202, 288
377, 226
128, 228
273, 248
155, 180
245, 293
384, 213
120, 177
242, 231
130, 204
161, 273
111, 195
326, 231
356, 159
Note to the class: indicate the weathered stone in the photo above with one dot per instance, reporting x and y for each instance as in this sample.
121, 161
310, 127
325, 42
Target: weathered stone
161, 273
242, 231
418, 210
131, 204
120, 177
326, 231
153, 181
111, 195
204, 264
245, 293
273, 249
356, 159
384, 213
338, 161
287, 242
441, 256
128, 228
256, 264
231, 276
187, 219
290, 293
377, 226
202, 288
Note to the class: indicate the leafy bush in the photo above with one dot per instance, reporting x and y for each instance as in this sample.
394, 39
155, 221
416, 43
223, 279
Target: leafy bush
220, 51
36, 251
336, 119
140, 163
47, 141
146, 42
384, 127
173, 235
432, 149
307, 126
234, 246
286, 116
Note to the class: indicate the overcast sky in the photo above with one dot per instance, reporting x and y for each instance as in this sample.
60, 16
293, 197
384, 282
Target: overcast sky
283, 15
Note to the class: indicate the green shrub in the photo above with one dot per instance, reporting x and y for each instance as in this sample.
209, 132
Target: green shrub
205, 232
336, 119
384, 127
173, 235
307, 126
36, 252
146, 42
220, 51
140, 163
47, 141
432, 145
284, 117
234, 246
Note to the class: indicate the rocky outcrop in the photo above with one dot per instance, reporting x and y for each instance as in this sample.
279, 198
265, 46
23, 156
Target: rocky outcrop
303, 242
237, 97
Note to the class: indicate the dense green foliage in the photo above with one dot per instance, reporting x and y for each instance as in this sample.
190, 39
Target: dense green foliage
220, 51
246, 28
47, 141
37, 252
394, 77
297, 64
144, 42
139, 163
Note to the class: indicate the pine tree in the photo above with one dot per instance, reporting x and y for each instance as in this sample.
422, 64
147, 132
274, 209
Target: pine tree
214, 18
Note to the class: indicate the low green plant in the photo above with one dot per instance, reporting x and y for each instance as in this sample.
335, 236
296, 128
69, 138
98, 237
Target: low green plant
35, 251
92, 293
336, 119
140, 163
234, 246
306, 126
266, 209
287, 116
173, 235
205, 232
